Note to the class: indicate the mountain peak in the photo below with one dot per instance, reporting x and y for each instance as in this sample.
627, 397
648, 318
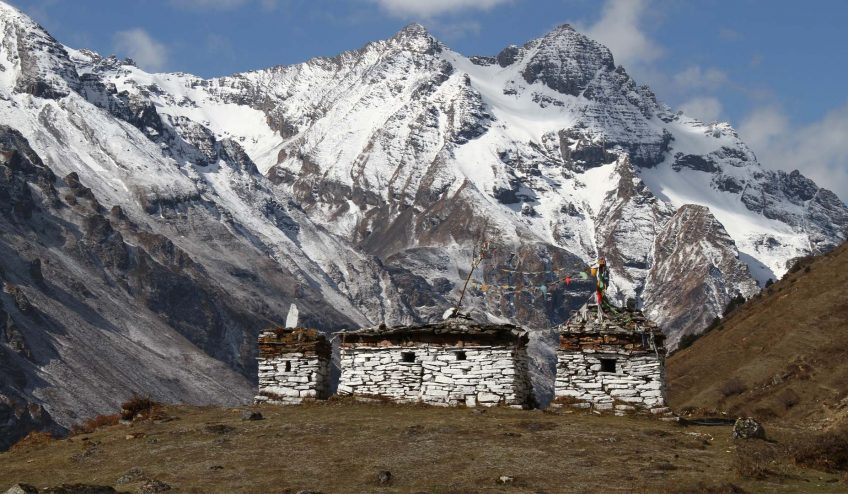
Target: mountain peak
415, 37
564, 27
40, 64
5, 7
563, 59
11, 13
413, 30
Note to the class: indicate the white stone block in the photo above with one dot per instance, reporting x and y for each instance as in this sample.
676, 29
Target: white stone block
488, 398
623, 392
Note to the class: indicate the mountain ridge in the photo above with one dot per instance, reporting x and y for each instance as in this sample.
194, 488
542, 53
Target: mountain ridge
357, 187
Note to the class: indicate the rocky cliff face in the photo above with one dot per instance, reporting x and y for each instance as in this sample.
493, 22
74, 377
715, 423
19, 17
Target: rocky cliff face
172, 217
696, 264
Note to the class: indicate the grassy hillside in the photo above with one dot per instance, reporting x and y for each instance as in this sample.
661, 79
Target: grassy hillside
781, 357
342, 446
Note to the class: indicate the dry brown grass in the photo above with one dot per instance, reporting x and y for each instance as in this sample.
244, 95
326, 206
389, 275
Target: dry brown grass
342, 446
780, 357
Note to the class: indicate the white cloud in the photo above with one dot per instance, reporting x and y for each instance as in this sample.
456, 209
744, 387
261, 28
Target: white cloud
818, 150
208, 4
696, 77
454, 30
762, 126
148, 53
431, 8
620, 28
707, 109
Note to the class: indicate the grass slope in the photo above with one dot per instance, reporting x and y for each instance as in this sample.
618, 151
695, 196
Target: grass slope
341, 446
781, 357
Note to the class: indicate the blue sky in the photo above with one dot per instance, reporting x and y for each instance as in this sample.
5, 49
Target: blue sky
775, 69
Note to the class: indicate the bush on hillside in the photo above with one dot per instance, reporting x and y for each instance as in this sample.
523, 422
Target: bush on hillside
733, 387
825, 451
734, 303
137, 406
95, 423
34, 438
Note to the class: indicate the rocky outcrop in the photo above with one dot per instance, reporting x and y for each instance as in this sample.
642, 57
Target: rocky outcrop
19, 418
695, 264
566, 61
630, 216
72, 282
818, 212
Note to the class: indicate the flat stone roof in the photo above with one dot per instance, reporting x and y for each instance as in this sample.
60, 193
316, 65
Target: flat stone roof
455, 331
619, 321
278, 341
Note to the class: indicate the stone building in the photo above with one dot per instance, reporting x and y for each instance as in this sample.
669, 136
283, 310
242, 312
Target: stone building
294, 364
618, 363
453, 362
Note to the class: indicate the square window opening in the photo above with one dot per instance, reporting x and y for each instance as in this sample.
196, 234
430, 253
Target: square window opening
407, 357
461, 356
608, 365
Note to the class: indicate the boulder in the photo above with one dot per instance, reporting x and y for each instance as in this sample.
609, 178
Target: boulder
748, 428
153, 486
22, 489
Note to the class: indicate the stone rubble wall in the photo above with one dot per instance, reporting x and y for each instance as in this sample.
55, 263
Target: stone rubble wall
639, 379
489, 376
308, 378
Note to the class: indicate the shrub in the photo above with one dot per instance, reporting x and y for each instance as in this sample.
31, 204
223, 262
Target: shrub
733, 387
687, 340
136, 406
95, 423
34, 438
755, 460
826, 451
734, 303
789, 398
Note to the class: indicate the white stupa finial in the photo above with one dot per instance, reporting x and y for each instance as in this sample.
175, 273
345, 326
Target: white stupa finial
291, 319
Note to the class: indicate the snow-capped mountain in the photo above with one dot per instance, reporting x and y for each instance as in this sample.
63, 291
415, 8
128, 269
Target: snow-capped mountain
171, 217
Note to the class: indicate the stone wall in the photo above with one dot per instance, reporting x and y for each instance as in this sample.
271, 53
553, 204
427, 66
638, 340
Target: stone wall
638, 380
488, 375
289, 378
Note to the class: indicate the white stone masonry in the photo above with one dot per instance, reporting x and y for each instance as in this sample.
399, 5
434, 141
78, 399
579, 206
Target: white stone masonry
438, 375
292, 377
638, 379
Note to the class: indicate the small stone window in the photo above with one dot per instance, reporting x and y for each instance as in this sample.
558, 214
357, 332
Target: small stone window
288, 366
608, 365
407, 357
461, 356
